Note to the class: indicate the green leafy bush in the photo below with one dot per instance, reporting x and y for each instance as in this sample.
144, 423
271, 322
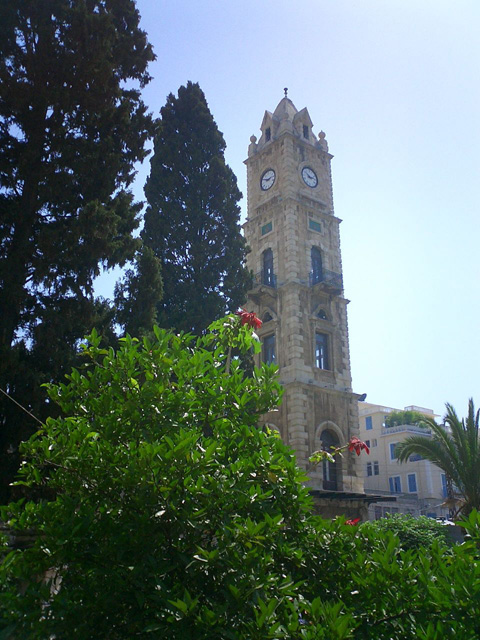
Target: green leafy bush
404, 417
412, 532
165, 512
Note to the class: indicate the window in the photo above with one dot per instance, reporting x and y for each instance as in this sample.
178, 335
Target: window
412, 482
314, 226
368, 423
376, 469
269, 349
268, 276
268, 134
321, 351
395, 483
266, 317
267, 228
444, 485
374, 442
367, 442
317, 270
393, 455
415, 457
329, 440
305, 131
321, 314
369, 469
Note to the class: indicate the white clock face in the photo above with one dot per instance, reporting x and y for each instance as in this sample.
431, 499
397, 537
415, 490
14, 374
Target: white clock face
309, 177
267, 179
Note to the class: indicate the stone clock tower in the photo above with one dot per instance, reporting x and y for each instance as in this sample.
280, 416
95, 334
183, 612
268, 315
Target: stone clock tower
298, 293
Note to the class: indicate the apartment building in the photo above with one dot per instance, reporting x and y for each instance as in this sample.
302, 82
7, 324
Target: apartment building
417, 487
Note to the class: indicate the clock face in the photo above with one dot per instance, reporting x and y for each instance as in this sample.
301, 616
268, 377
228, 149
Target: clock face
309, 177
267, 180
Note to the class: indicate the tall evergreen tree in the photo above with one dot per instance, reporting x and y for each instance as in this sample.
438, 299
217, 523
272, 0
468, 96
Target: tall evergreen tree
72, 125
192, 221
137, 295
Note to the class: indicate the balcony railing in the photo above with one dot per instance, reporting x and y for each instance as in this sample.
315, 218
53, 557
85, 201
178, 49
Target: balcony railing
266, 278
411, 428
329, 279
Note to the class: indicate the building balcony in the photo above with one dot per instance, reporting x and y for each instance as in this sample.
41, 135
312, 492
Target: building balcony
410, 428
328, 279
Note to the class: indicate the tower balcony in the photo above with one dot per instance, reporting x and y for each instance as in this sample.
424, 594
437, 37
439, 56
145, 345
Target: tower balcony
329, 280
265, 278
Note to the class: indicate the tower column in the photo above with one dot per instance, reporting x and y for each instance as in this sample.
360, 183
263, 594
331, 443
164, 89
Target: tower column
291, 222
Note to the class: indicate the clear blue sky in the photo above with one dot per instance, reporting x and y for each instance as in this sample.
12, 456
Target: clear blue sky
395, 85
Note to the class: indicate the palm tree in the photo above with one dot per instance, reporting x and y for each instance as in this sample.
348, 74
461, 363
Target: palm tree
455, 448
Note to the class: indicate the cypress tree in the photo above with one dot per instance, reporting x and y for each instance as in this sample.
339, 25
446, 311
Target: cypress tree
72, 125
192, 218
136, 296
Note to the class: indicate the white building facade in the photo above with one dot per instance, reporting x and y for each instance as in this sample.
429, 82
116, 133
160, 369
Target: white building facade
417, 487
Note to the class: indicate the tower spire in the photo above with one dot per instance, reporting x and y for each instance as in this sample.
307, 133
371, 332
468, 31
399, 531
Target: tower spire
286, 92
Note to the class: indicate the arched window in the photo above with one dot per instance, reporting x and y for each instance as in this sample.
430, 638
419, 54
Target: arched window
329, 440
322, 360
317, 270
266, 317
322, 314
268, 276
268, 344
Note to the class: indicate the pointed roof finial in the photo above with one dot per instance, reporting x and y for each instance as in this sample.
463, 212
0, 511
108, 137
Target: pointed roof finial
286, 91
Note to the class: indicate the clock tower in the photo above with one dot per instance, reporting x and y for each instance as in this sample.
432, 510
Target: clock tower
295, 256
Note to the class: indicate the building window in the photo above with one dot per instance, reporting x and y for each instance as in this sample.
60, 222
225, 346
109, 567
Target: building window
329, 440
267, 228
444, 485
367, 442
314, 226
305, 131
268, 276
267, 317
268, 134
412, 482
368, 423
321, 314
374, 442
321, 351
376, 469
369, 469
269, 349
317, 270
393, 455
395, 483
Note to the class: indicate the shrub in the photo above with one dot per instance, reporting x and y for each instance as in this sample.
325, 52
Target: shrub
412, 532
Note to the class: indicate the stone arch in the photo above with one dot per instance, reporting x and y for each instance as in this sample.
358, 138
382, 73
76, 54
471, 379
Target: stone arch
320, 312
268, 314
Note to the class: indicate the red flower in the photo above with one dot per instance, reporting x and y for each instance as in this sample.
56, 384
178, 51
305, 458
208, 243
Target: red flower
249, 318
353, 522
357, 445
